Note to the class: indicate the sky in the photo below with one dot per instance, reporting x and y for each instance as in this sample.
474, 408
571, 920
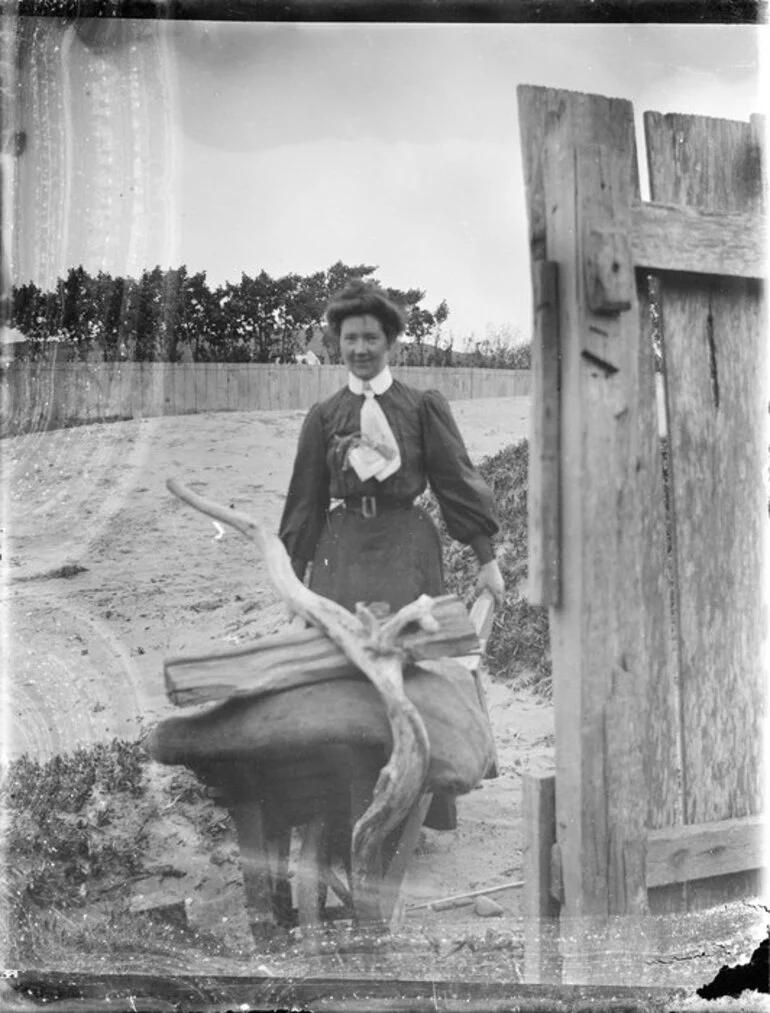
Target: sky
294, 146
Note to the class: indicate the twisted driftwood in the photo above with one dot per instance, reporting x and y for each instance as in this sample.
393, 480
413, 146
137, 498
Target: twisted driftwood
371, 646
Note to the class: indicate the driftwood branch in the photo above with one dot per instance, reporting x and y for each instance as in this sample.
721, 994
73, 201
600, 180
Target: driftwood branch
372, 648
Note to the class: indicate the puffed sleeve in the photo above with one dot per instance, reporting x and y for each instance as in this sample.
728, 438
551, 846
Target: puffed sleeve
308, 495
465, 499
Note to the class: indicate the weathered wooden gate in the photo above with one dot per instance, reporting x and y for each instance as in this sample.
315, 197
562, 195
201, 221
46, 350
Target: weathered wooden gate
649, 552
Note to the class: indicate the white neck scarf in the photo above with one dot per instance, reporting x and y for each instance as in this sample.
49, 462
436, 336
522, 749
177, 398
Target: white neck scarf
377, 455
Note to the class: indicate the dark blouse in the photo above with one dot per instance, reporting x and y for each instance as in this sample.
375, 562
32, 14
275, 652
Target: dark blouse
432, 450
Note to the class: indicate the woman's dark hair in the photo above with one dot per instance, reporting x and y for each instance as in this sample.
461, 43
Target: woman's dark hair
360, 298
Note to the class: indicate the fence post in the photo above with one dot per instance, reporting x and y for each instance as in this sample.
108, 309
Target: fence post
580, 169
542, 962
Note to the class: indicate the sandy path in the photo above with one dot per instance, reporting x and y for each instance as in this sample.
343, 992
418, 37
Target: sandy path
85, 652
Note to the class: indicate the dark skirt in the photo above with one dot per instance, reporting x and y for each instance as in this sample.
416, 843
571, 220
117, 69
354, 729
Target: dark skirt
393, 557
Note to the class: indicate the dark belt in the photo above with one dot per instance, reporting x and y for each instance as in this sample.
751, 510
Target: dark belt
371, 506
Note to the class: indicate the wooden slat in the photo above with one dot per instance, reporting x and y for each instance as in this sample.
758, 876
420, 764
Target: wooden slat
110, 382
714, 345
231, 386
601, 493
217, 399
184, 387
698, 851
139, 383
170, 380
543, 492
154, 390
715, 356
482, 617
540, 910
611, 615
541, 112
282, 661
662, 754
667, 237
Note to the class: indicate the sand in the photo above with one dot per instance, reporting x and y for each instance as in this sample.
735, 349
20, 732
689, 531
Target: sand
107, 574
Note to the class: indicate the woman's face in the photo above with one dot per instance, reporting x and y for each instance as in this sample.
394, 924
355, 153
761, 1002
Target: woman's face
364, 346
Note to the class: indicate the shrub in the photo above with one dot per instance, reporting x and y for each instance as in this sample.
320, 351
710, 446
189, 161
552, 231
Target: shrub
58, 814
518, 648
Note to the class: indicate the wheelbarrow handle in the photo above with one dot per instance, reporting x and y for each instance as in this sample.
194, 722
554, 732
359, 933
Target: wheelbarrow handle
482, 616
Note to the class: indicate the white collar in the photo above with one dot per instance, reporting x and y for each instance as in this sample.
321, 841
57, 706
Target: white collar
379, 383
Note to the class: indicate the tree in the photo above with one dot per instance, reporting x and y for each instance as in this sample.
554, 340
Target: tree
149, 343
190, 313
79, 319
165, 313
32, 311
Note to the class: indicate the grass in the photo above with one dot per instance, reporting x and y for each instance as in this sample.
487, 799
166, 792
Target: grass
58, 822
518, 649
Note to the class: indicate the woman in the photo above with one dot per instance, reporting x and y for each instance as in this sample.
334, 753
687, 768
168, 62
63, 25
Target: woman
373, 446
375, 545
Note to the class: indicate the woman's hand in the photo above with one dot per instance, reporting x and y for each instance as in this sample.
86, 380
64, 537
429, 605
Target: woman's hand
490, 579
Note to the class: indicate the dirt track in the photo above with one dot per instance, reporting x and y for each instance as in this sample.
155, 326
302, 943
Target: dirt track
86, 649
106, 574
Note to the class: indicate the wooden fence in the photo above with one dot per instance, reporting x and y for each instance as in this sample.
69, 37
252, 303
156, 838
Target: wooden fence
37, 396
658, 609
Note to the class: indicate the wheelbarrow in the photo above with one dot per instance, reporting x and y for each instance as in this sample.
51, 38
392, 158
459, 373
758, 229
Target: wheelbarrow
344, 733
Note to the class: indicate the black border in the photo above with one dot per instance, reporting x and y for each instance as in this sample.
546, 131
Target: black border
707, 12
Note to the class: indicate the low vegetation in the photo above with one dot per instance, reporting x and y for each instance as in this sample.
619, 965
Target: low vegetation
83, 829
518, 649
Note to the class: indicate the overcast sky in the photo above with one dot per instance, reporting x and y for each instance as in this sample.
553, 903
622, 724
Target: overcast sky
397, 145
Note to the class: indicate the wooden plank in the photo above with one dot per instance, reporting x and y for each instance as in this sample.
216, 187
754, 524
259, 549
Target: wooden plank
155, 388
543, 493
189, 400
716, 369
138, 379
668, 237
68, 387
543, 111
598, 424
540, 909
580, 150
231, 386
170, 381
110, 387
218, 393
698, 851
482, 616
663, 750
715, 363
284, 660
132, 381
247, 392
90, 393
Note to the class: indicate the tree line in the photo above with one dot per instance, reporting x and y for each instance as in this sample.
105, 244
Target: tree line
172, 315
